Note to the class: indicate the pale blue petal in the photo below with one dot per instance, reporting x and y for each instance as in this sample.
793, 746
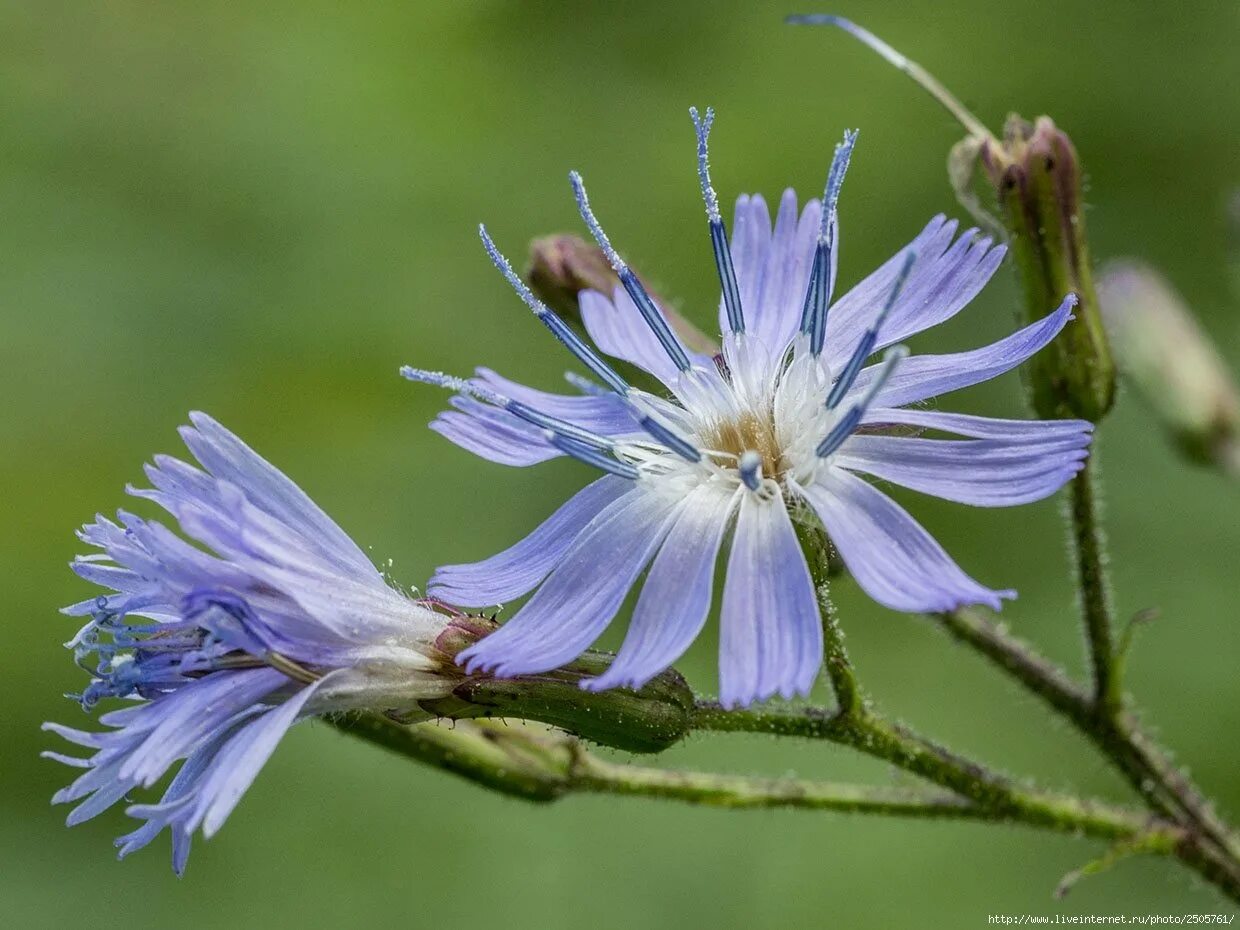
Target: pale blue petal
605, 414
923, 376
856, 310
618, 328
230, 459
189, 715
675, 598
175, 807
958, 277
505, 442
581, 596
779, 290
963, 424
894, 560
751, 243
770, 628
241, 759
981, 472
518, 569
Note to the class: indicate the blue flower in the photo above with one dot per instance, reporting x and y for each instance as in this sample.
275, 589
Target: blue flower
275, 615
789, 419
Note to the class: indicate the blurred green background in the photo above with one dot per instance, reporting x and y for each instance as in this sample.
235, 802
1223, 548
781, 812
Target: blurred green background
262, 212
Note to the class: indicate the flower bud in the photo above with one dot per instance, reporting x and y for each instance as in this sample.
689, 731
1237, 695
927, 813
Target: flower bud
1164, 353
563, 265
649, 719
1036, 178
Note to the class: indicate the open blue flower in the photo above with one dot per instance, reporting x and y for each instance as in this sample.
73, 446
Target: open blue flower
787, 419
275, 615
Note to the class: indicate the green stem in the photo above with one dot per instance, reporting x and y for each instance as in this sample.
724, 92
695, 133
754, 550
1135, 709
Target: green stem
1090, 562
992, 792
545, 766
896, 744
505, 759
1145, 765
736, 791
739, 791
817, 551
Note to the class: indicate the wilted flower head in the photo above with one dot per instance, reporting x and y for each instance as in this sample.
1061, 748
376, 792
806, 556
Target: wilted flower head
781, 425
268, 614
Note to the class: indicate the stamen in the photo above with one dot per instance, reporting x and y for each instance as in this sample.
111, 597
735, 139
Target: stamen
558, 327
515, 407
682, 447
451, 383
835, 179
750, 467
868, 339
812, 308
563, 427
822, 274
591, 456
718, 232
645, 305
846, 424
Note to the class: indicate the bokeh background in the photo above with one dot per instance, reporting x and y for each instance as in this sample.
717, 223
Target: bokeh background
263, 210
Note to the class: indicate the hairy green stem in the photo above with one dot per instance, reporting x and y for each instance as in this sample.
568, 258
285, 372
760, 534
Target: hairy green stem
515, 763
1145, 765
817, 549
538, 766
892, 743
740, 791
736, 791
992, 792
1089, 553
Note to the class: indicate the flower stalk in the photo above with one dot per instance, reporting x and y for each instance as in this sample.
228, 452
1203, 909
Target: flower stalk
543, 767
816, 548
1146, 766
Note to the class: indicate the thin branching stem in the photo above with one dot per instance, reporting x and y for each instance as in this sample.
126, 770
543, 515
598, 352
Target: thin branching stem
1089, 560
816, 548
536, 765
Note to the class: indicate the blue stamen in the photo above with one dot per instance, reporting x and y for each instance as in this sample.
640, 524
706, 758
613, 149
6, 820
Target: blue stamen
558, 327
682, 447
515, 407
835, 179
846, 424
591, 456
750, 467
815, 294
563, 427
821, 281
869, 338
451, 383
645, 305
718, 232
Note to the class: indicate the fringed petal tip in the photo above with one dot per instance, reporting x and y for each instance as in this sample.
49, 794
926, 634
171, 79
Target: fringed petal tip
474, 663
788, 691
994, 601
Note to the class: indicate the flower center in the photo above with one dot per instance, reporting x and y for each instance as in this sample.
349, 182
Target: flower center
752, 432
